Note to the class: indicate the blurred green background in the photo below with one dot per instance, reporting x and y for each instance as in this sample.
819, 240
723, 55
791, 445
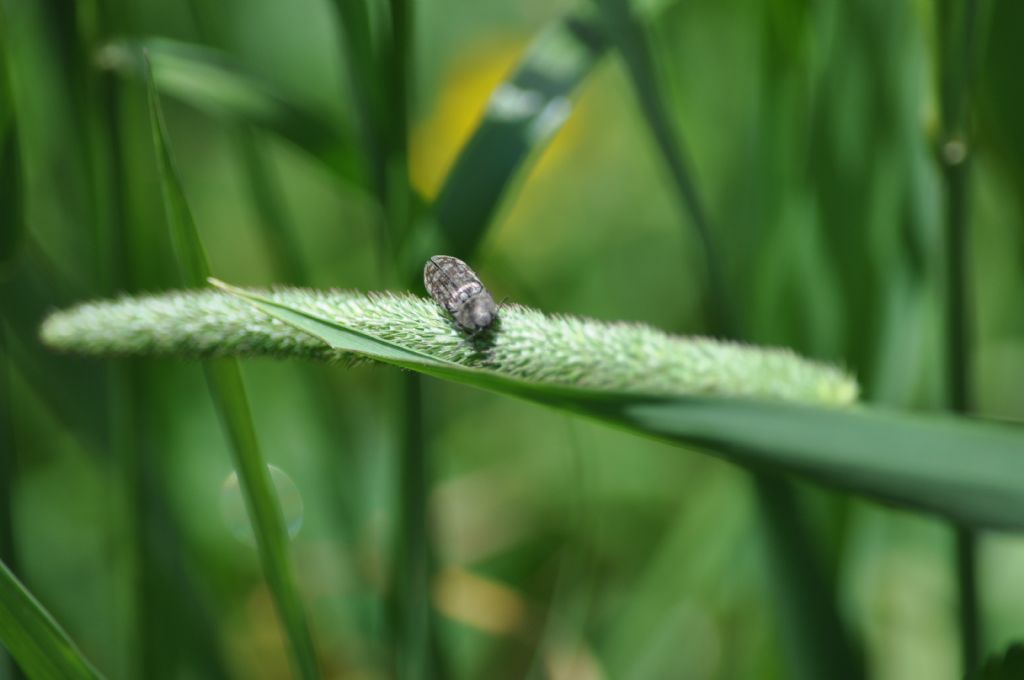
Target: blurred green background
816, 135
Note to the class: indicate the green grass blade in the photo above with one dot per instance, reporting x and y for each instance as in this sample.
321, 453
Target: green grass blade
958, 35
356, 27
967, 470
34, 639
277, 229
210, 81
818, 643
225, 381
188, 247
12, 226
630, 39
8, 471
524, 114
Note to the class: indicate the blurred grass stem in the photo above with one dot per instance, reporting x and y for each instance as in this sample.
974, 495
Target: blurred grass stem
418, 651
8, 469
812, 622
380, 72
957, 32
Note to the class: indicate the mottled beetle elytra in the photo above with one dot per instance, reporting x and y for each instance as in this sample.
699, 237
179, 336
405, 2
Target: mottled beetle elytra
458, 289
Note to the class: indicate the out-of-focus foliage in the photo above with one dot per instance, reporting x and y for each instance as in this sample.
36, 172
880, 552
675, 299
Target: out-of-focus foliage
563, 548
1004, 666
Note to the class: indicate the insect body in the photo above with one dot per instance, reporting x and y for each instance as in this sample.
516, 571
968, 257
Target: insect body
458, 289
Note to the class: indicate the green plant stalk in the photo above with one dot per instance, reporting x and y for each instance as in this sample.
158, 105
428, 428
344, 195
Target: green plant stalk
817, 647
12, 228
957, 35
285, 254
126, 393
12, 222
279, 235
225, 381
418, 654
397, 199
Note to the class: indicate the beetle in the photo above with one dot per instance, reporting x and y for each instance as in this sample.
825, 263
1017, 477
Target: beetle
458, 289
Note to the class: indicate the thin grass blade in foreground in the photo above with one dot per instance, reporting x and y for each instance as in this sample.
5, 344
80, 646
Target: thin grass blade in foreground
225, 382
758, 408
33, 638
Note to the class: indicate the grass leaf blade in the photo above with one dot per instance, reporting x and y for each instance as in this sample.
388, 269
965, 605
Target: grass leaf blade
208, 80
33, 637
225, 382
819, 645
631, 41
524, 114
968, 470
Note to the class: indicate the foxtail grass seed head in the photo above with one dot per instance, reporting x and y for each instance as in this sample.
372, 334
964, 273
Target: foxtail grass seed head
458, 289
559, 350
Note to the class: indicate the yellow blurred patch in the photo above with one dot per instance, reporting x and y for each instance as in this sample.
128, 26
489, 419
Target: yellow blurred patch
479, 602
458, 110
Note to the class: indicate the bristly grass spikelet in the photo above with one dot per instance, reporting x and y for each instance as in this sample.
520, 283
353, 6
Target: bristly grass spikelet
561, 350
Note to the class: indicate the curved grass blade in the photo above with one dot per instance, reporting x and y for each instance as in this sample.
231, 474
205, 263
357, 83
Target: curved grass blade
225, 382
210, 81
524, 113
39, 645
968, 470
631, 41
818, 644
